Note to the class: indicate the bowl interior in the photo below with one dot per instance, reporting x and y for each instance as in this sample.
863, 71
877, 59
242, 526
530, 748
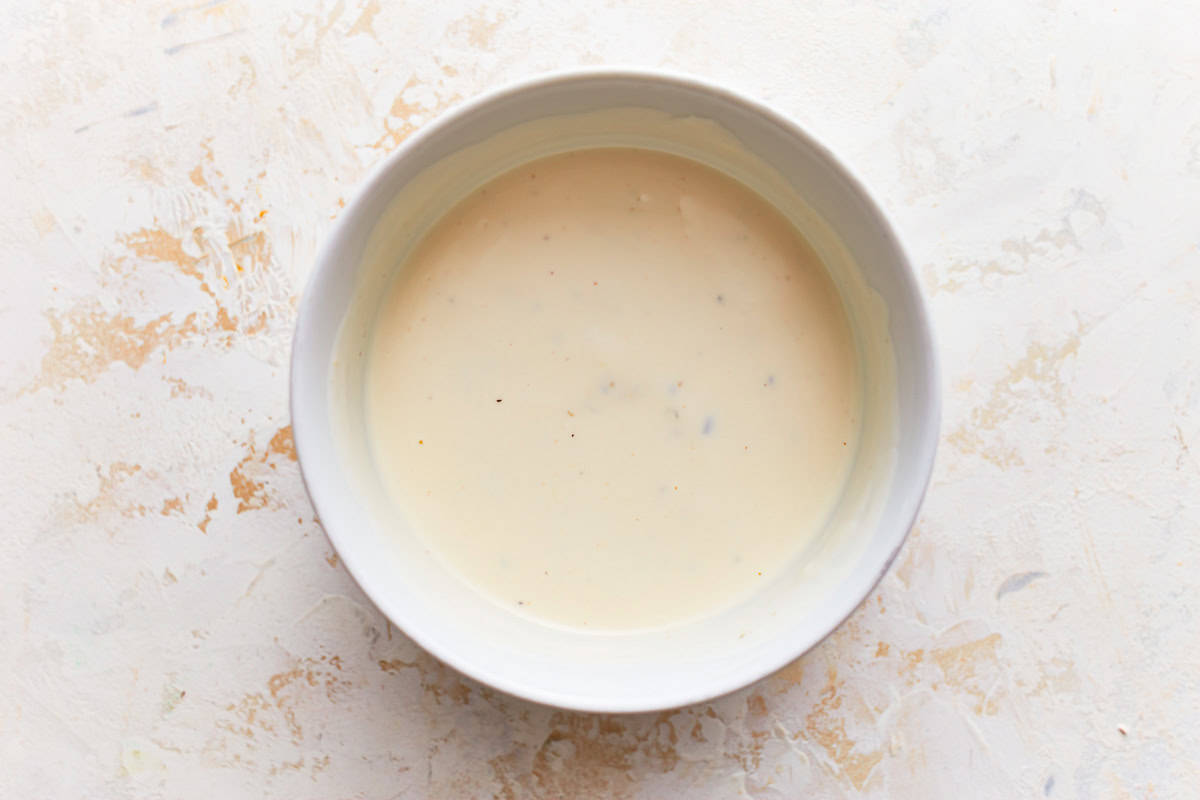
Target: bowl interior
625, 671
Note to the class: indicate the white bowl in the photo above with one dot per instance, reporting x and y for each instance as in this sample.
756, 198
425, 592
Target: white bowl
640, 670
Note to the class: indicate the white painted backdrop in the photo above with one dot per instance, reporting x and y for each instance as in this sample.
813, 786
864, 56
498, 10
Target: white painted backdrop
173, 622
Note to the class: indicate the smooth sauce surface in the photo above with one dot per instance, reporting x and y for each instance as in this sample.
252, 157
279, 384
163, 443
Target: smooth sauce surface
613, 389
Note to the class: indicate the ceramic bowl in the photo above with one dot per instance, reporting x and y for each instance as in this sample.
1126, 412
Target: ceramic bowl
634, 670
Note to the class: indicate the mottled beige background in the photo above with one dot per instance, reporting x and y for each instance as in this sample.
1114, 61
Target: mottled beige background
173, 622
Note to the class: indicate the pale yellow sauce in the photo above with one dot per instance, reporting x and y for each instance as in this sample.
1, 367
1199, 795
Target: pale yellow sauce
613, 389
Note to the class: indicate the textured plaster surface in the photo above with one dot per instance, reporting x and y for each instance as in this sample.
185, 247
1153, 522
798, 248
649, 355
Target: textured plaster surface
173, 622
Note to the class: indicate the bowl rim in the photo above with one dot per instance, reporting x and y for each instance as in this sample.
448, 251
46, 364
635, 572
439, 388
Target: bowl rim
303, 415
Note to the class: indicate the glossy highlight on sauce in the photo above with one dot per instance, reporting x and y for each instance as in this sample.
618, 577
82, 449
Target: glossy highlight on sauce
613, 389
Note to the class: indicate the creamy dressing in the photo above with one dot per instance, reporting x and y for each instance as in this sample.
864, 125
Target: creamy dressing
613, 389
